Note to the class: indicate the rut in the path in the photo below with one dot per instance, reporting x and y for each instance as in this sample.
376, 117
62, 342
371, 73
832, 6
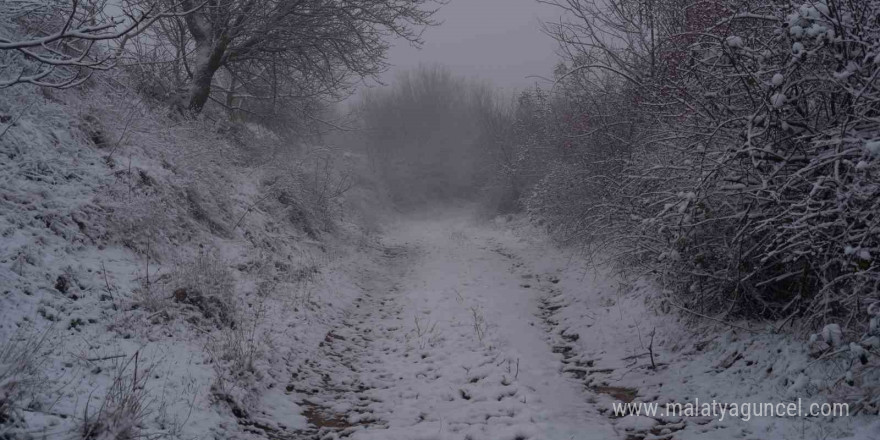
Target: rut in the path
345, 356
595, 380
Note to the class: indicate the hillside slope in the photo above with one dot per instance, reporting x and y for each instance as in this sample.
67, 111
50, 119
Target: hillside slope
163, 276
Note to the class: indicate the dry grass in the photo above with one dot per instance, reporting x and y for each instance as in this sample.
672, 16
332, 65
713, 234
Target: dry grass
123, 408
21, 375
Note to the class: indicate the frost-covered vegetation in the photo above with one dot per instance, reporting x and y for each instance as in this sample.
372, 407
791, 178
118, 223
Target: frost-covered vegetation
159, 274
192, 235
166, 268
729, 149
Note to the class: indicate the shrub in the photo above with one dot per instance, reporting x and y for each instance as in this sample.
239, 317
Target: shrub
204, 284
310, 189
752, 189
749, 184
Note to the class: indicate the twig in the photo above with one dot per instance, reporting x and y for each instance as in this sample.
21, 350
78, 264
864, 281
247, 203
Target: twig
51, 413
249, 208
828, 354
107, 283
711, 318
13, 122
135, 375
785, 321
115, 356
124, 131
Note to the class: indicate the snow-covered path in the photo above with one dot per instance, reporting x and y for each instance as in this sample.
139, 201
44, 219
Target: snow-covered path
453, 348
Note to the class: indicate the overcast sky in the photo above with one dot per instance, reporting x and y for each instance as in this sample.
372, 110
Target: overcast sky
496, 40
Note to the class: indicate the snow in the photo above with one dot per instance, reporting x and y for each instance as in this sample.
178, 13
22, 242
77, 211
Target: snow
446, 327
457, 349
777, 79
92, 240
559, 343
832, 334
734, 42
873, 147
777, 100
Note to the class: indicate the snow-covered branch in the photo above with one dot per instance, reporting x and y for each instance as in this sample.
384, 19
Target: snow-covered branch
60, 48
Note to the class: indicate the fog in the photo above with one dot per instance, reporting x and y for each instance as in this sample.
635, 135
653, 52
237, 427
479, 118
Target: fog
427, 124
497, 40
426, 136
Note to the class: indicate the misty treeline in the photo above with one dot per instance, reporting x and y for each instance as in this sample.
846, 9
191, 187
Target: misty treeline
424, 135
253, 58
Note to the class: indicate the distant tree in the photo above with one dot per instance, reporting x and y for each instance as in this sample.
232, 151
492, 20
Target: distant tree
427, 135
275, 50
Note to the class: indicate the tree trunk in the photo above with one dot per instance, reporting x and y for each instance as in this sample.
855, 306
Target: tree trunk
230, 97
208, 61
209, 52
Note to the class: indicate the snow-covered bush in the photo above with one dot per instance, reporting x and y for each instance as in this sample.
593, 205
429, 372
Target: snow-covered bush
774, 211
235, 354
207, 284
753, 188
571, 148
309, 187
743, 172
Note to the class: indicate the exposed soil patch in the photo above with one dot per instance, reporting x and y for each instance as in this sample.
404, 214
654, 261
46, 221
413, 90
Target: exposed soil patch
321, 417
622, 394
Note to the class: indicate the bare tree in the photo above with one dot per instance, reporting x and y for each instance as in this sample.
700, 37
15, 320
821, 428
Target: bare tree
58, 48
275, 50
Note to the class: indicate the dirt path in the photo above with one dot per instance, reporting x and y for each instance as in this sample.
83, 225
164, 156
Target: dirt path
474, 332
455, 347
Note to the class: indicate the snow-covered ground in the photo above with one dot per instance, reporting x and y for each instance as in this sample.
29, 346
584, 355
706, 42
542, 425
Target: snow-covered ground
489, 332
157, 280
454, 349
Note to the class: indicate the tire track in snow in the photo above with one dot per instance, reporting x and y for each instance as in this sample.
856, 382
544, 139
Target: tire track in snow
335, 405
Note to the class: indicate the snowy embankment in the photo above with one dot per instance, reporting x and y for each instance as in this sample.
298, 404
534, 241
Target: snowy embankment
160, 277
